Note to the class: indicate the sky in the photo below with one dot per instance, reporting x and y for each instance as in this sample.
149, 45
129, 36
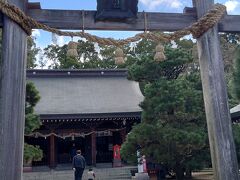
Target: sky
174, 6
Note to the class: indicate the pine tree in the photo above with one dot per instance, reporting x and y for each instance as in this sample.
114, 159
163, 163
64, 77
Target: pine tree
173, 128
32, 122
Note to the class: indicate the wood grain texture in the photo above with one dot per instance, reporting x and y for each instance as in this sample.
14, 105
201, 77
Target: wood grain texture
72, 19
12, 98
223, 154
34, 5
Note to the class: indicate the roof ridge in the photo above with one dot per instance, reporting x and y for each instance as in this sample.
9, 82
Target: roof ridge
76, 73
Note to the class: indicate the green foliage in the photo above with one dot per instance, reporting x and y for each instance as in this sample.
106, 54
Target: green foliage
166, 144
233, 80
172, 100
56, 54
32, 153
236, 75
32, 51
87, 58
32, 122
173, 128
147, 70
236, 135
230, 52
32, 97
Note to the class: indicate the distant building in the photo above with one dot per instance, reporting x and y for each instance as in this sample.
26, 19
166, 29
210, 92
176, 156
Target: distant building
235, 113
91, 110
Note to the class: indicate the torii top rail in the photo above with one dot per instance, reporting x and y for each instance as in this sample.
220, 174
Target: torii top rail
13, 70
196, 29
73, 19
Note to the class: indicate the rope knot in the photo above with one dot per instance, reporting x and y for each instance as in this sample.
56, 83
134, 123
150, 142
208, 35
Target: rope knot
119, 56
197, 29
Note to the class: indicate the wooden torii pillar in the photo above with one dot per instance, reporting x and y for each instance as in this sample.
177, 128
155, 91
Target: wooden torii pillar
12, 97
223, 153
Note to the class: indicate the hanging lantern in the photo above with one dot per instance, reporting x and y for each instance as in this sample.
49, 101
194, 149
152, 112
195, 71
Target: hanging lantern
116, 10
159, 56
119, 56
72, 49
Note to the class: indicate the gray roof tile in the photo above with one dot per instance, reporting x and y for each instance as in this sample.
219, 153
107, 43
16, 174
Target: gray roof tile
77, 95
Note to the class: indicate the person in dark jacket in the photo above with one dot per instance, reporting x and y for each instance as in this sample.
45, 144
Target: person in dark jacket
73, 151
78, 164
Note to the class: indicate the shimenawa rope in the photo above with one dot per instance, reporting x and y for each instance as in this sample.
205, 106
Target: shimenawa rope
196, 29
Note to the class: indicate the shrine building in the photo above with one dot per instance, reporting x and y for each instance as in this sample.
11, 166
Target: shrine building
235, 114
91, 110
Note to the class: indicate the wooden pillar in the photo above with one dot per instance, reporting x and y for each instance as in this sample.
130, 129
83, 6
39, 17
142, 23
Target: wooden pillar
52, 159
223, 153
123, 134
93, 148
12, 97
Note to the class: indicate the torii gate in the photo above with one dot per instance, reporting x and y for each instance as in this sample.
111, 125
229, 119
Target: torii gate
13, 75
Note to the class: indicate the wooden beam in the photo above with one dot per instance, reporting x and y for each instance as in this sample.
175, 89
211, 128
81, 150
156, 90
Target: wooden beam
34, 5
223, 153
190, 10
72, 19
12, 97
230, 23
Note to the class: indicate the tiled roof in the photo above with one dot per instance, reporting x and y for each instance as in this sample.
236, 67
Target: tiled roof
85, 92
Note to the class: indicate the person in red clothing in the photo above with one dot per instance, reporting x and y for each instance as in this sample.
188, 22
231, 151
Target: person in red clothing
78, 164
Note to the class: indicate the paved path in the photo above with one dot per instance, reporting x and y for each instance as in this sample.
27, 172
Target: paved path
102, 174
52, 175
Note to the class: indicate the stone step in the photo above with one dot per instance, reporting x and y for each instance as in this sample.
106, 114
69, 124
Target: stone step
122, 173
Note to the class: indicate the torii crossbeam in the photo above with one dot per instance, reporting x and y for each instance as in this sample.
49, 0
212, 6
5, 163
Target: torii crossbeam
13, 68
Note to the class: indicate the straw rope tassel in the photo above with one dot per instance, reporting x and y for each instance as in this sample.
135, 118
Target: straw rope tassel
72, 49
119, 56
159, 56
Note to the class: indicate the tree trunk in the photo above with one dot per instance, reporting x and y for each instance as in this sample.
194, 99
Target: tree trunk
179, 172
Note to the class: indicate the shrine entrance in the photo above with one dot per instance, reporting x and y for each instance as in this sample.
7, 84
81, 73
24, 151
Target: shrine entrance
104, 151
67, 148
204, 21
104, 146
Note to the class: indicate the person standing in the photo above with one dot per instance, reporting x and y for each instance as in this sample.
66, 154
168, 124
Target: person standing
91, 174
73, 151
78, 164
